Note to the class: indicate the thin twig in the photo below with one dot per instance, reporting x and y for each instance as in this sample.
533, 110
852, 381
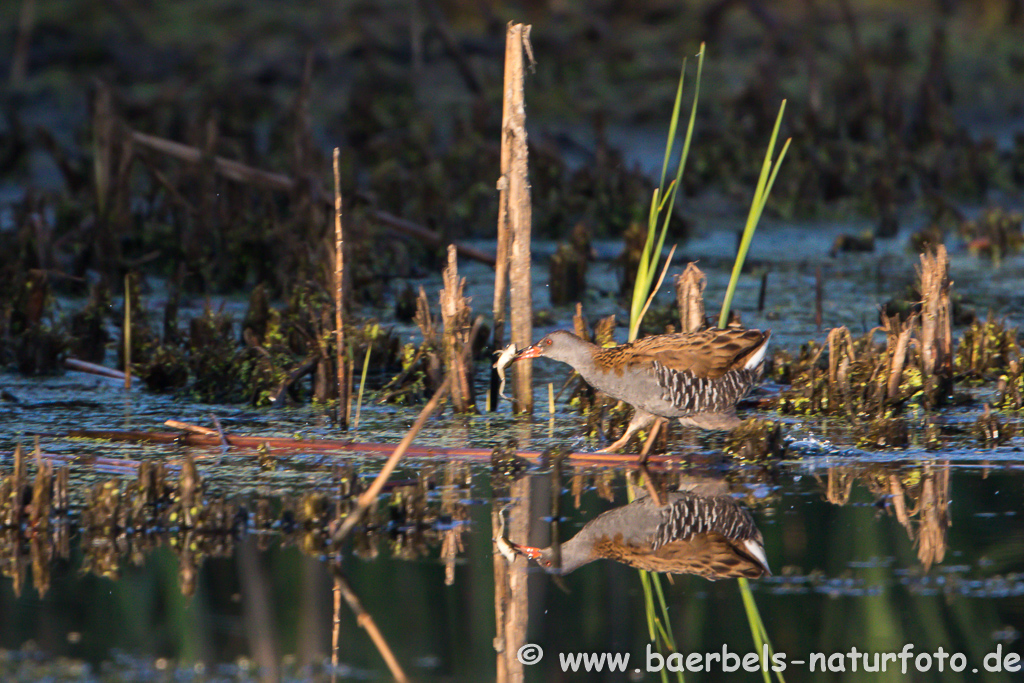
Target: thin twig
127, 332
339, 297
661, 279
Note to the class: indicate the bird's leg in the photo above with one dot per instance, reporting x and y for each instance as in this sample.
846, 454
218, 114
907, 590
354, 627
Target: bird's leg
641, 418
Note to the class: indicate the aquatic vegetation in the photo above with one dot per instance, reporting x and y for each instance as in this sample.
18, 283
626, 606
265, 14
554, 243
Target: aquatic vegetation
756, 440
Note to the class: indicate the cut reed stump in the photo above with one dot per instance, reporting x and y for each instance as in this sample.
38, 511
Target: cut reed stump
690, 297
936, 324
455, 319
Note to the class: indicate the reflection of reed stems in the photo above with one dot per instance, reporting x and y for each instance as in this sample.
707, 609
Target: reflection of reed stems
365, 622
370, 495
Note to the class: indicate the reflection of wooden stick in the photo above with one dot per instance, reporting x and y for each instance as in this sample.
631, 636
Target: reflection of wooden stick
335, 631
367, 623
249, 175
370, 495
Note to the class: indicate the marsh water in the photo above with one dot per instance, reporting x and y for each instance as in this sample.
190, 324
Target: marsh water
869, 548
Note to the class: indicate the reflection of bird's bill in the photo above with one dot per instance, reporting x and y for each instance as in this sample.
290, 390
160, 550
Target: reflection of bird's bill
526, 551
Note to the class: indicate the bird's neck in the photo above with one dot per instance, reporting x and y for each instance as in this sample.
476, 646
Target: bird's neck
578, 551
585, 360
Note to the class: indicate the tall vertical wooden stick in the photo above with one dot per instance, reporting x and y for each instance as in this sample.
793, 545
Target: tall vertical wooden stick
339, 299
515, 207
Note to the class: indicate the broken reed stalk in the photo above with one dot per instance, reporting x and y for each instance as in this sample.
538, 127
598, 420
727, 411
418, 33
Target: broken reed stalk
690, 298
514, 200
127, 332
370, 495
455, 314
897, 341
366, 622
339, 299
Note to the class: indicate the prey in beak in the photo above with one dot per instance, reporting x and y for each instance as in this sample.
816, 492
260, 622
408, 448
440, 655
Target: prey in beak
535, 351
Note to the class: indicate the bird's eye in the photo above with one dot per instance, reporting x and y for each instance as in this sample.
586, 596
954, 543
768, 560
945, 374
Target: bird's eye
547, 342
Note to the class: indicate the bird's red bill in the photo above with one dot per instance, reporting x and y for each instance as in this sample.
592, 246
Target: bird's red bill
528, 352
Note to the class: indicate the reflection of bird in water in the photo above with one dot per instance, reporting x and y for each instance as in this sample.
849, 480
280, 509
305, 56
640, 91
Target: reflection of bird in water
697, 377
696, 531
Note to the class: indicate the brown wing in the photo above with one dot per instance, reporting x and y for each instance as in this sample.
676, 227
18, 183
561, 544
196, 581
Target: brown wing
707, 354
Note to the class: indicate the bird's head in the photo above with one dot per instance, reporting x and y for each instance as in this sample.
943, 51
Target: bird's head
545, 557
561, 346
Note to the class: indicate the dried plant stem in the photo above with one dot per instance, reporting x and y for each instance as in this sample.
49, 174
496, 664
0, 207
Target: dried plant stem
898, 338
366, 499
657, 286
455, 315
339, 298
366, 622
936, 336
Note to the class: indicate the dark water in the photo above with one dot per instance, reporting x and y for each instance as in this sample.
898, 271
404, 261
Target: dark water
847, 532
